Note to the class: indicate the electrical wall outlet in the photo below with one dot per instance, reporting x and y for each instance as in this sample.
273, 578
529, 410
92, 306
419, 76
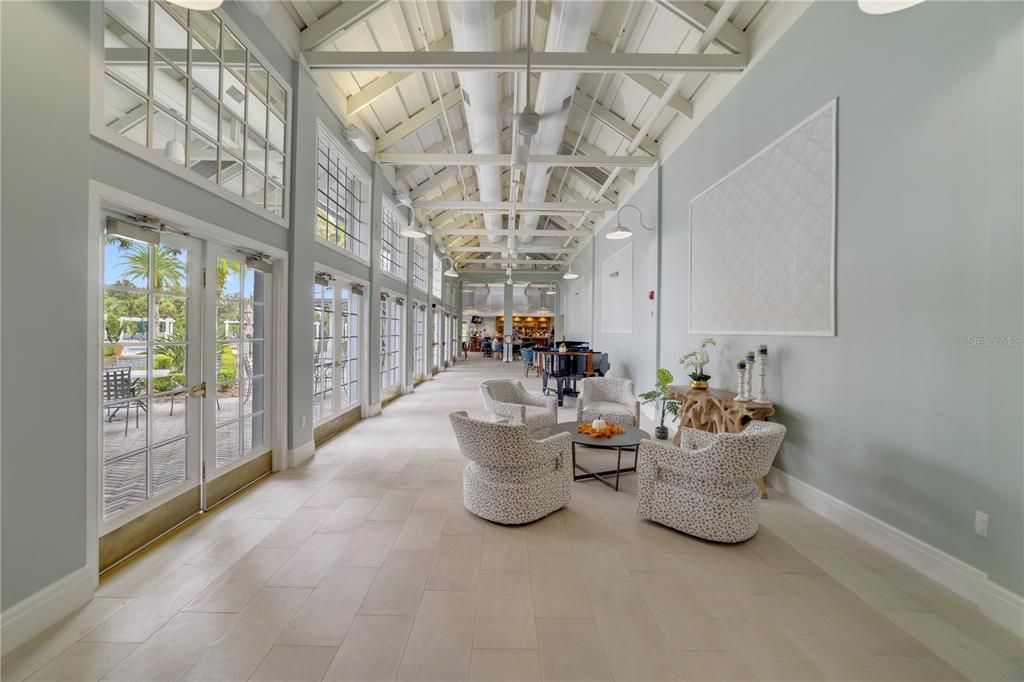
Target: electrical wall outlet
981, 523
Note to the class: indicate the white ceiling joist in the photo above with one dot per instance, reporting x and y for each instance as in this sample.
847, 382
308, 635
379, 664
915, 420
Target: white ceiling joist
577, 62
542, 207
337, 21
613, 121
646, 81
433, 182
380, 87
512, 261
502, 249
480, 232
419, 119
575, 160
700, 16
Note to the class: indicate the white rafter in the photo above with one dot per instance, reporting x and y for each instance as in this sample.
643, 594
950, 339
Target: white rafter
575, 160
337, 21
577, 62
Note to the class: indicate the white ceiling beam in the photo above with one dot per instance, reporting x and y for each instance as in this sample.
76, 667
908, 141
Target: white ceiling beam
646, 81
337, 21
381, 86
575, 160
481, 232
419, 119
575, 62
613, 121
542, 207
433, 182
305, 12
439, 148
513, 261
700, 16
490, 248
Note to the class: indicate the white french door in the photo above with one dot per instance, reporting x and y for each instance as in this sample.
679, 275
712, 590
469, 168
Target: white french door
151, 373
236, 360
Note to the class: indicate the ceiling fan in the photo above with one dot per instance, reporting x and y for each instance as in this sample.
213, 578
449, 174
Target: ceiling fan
527, 121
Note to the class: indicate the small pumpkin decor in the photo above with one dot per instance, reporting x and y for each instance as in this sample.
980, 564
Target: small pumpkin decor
599, 428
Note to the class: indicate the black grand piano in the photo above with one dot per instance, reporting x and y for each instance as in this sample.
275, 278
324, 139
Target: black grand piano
565, 368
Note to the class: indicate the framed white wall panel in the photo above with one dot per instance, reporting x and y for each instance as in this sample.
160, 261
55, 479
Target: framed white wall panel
762, 239
617, 292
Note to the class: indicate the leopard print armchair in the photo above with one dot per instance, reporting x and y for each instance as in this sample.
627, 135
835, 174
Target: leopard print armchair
507, 401
509, 477
706, 486
610, 398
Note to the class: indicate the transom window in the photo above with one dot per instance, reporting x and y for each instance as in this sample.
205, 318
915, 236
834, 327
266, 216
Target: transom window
419, 264
184, 85
342, 193
392, 244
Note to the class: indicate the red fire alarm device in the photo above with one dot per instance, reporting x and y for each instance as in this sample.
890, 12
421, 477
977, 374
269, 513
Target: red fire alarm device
650, 294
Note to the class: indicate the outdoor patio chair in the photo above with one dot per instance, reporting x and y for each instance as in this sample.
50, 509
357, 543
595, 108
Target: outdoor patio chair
118, 386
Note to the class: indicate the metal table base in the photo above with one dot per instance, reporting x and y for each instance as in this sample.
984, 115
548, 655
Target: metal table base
599, 475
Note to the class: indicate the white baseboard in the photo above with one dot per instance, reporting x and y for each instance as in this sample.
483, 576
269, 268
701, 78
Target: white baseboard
35, 613
374, 410
998, 603
1002, 606
300, 454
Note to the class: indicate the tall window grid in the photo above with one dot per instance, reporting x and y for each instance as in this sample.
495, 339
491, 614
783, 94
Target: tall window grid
184, 85
392, 244
323, 349
419, 341
436, 277
419, 264
390, 342
436, 355
341, 198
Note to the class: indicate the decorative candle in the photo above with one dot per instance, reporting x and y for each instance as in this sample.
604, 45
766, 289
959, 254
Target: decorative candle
762, 366
762, 349
741, 375
749, 393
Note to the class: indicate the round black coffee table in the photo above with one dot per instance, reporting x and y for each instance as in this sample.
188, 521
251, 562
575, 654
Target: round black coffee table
629, 441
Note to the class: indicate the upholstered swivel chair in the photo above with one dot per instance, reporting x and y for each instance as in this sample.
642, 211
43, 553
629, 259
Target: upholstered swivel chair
706, 486
610, 398
508, 401
511, 478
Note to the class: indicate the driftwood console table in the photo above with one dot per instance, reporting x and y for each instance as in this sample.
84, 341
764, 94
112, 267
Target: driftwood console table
716, 411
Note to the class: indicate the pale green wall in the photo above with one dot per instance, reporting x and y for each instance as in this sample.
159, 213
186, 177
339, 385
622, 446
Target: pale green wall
898, 414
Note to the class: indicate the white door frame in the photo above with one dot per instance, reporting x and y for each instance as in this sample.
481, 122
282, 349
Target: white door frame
101, 197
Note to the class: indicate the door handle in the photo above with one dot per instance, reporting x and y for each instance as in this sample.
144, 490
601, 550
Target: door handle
198, 391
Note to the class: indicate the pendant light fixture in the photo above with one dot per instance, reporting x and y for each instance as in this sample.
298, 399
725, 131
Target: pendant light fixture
886, 6
412, 230
198, 5
621, 231
175, 151
569, 274
451, 271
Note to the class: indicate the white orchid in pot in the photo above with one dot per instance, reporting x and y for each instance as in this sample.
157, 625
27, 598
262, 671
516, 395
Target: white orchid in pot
697, 360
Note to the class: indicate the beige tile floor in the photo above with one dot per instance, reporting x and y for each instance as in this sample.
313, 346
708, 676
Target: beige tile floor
363, 565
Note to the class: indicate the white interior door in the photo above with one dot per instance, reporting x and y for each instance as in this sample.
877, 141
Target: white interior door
151, 370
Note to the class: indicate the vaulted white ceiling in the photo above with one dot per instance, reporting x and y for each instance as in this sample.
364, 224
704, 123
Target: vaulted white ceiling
413, 106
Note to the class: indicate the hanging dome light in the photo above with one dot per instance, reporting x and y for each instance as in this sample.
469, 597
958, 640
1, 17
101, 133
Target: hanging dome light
413, 231
885, 6
569, 274
175, 151
360, 139
198, 5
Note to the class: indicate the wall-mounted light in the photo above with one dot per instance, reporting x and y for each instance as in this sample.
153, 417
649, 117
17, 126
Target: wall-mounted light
569, 273
412, 230
198, 5
360, 139
621, 231
451, 271
403, 199
885, 6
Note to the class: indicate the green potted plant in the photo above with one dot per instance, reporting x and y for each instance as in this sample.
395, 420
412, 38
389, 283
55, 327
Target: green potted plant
696, 360
663, 404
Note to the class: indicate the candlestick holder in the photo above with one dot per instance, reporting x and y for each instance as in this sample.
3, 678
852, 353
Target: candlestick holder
741, 375
762, 367
750, 376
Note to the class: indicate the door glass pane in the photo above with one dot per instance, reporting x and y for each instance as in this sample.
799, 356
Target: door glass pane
170, 464
144, 374
252, 433
228, 443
